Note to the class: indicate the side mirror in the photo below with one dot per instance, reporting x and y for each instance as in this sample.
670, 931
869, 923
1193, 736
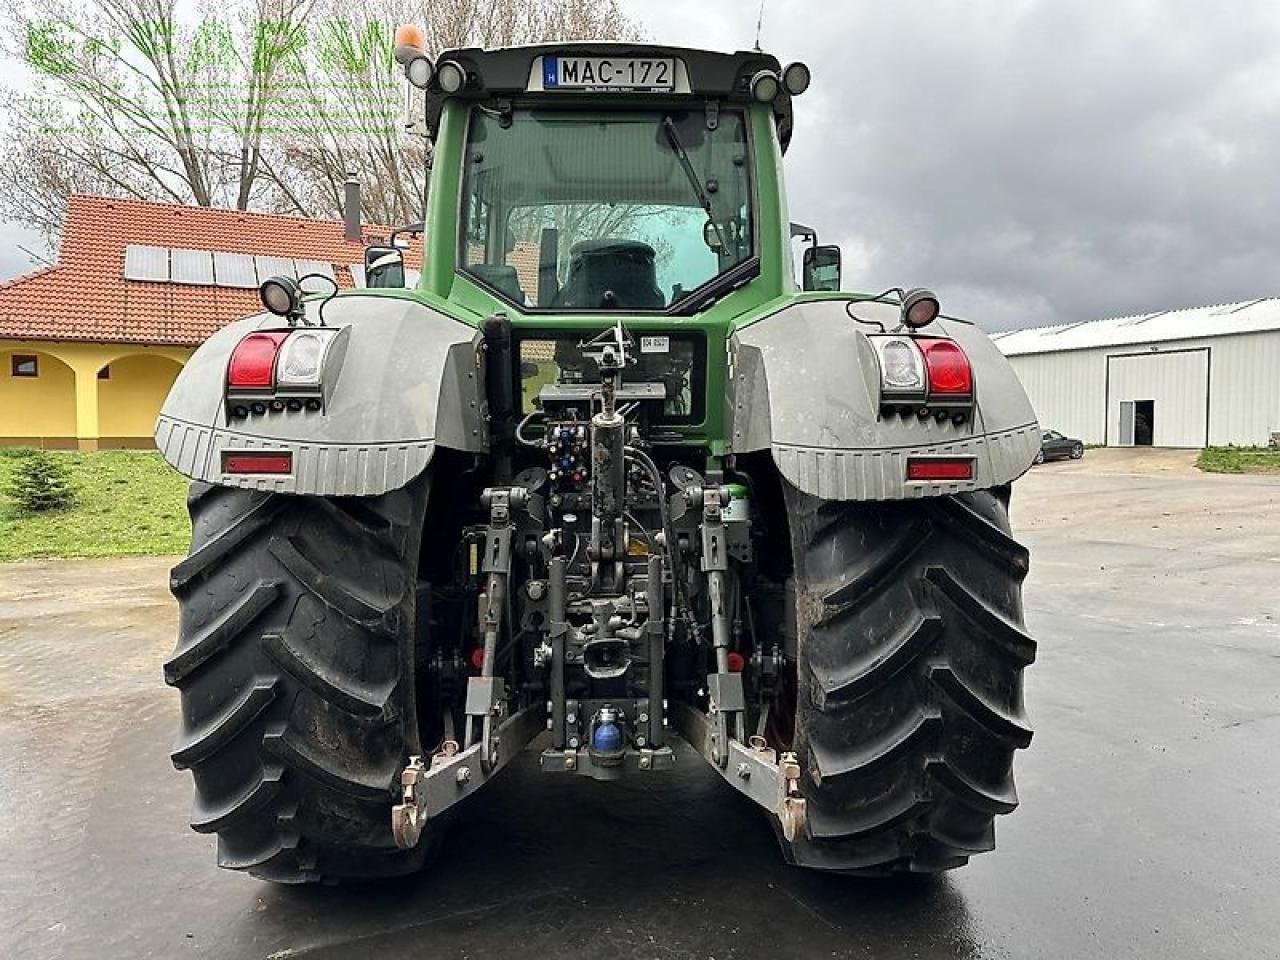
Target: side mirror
383, 267
821, 268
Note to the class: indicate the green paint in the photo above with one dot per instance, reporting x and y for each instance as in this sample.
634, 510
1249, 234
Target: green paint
444, 288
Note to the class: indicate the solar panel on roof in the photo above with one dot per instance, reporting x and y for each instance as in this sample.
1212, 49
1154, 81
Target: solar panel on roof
275, 267
321, 267
146, 263
192, 266
234, 270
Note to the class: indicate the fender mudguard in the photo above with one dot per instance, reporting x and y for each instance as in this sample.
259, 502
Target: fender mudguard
805, 385
409, 378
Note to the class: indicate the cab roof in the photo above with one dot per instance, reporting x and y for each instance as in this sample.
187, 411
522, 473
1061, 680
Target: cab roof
516, 71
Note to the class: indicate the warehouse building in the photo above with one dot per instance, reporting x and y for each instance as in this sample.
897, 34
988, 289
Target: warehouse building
1208, 376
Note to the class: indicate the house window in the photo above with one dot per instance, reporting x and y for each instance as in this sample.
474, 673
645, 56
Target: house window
105, 373
24, 365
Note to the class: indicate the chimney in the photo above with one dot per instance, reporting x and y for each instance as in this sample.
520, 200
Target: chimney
351, 209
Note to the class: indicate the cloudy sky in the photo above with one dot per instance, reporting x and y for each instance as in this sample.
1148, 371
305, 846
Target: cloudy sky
1034, 162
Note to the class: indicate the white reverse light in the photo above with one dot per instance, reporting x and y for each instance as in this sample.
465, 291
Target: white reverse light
901, 365
301, 359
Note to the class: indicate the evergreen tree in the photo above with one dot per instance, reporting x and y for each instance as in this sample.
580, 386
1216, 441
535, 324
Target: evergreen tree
40, 482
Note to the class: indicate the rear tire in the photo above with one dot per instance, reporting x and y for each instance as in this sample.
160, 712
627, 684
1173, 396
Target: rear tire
911, 650
295, 667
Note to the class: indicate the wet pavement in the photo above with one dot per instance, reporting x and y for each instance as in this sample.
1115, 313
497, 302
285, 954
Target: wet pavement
1148, 825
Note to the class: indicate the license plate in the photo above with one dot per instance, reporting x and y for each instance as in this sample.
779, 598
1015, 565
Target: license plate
655, 344
607, 73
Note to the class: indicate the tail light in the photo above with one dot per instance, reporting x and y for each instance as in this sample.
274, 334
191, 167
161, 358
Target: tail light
947, 368
280, 369
922, 370
253, 362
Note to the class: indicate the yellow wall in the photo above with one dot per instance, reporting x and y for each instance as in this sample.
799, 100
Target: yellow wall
38, 408
67, 405
130, 399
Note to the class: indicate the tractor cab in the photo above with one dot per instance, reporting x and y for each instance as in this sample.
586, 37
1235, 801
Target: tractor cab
604, 178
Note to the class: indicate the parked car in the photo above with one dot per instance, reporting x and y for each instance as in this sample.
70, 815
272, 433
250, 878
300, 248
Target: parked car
1055, 446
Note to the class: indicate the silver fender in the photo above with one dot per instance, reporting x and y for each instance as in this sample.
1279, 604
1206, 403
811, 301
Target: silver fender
410, 378
805, 385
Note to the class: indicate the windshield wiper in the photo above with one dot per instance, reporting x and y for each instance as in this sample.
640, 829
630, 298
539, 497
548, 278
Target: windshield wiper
699, 190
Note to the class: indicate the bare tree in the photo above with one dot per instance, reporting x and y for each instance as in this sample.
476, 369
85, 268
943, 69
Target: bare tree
360, 128
249, 104
132, 101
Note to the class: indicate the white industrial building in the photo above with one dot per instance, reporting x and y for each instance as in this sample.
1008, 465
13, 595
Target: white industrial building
1208, 376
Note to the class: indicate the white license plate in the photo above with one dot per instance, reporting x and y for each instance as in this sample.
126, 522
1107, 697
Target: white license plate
607, 73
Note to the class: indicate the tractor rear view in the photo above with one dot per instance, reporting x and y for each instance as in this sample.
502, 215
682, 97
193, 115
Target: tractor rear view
608, 482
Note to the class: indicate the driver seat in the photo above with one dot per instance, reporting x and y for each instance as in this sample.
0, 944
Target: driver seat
624, 267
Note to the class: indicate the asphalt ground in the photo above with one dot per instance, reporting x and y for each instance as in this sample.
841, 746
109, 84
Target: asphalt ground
1149, 824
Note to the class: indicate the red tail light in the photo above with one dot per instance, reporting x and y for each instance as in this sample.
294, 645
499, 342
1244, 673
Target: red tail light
253, 362
257, 463
938, 468
947, 367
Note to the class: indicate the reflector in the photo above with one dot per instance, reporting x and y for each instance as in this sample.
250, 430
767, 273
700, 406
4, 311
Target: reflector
937, 468
273, 463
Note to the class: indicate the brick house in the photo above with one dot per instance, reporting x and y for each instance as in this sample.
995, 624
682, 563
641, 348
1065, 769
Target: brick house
90, 347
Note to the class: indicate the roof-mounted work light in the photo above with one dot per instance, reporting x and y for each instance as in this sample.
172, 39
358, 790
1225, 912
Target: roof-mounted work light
796, 78
765, 86
451, 76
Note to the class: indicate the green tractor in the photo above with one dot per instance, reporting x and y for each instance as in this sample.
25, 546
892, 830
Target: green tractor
608, 483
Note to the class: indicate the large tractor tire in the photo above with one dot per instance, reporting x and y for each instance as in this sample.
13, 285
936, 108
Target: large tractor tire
295, 666
911, 647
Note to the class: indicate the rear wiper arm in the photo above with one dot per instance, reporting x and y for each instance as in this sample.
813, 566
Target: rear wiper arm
699, 190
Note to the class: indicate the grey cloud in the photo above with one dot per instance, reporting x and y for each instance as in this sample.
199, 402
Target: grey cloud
1034, 162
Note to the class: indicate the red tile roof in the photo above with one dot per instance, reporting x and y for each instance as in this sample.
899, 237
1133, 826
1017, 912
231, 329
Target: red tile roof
85, 297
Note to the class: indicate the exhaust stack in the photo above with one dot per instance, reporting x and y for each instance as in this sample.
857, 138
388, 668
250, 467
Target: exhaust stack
351, 210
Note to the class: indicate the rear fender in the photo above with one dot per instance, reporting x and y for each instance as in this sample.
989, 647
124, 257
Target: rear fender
409, 379
806, 386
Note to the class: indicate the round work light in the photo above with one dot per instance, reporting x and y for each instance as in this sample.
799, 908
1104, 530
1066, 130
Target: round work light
919, 308
765, 86
796, 78
419, 71
451, 76
281, 296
